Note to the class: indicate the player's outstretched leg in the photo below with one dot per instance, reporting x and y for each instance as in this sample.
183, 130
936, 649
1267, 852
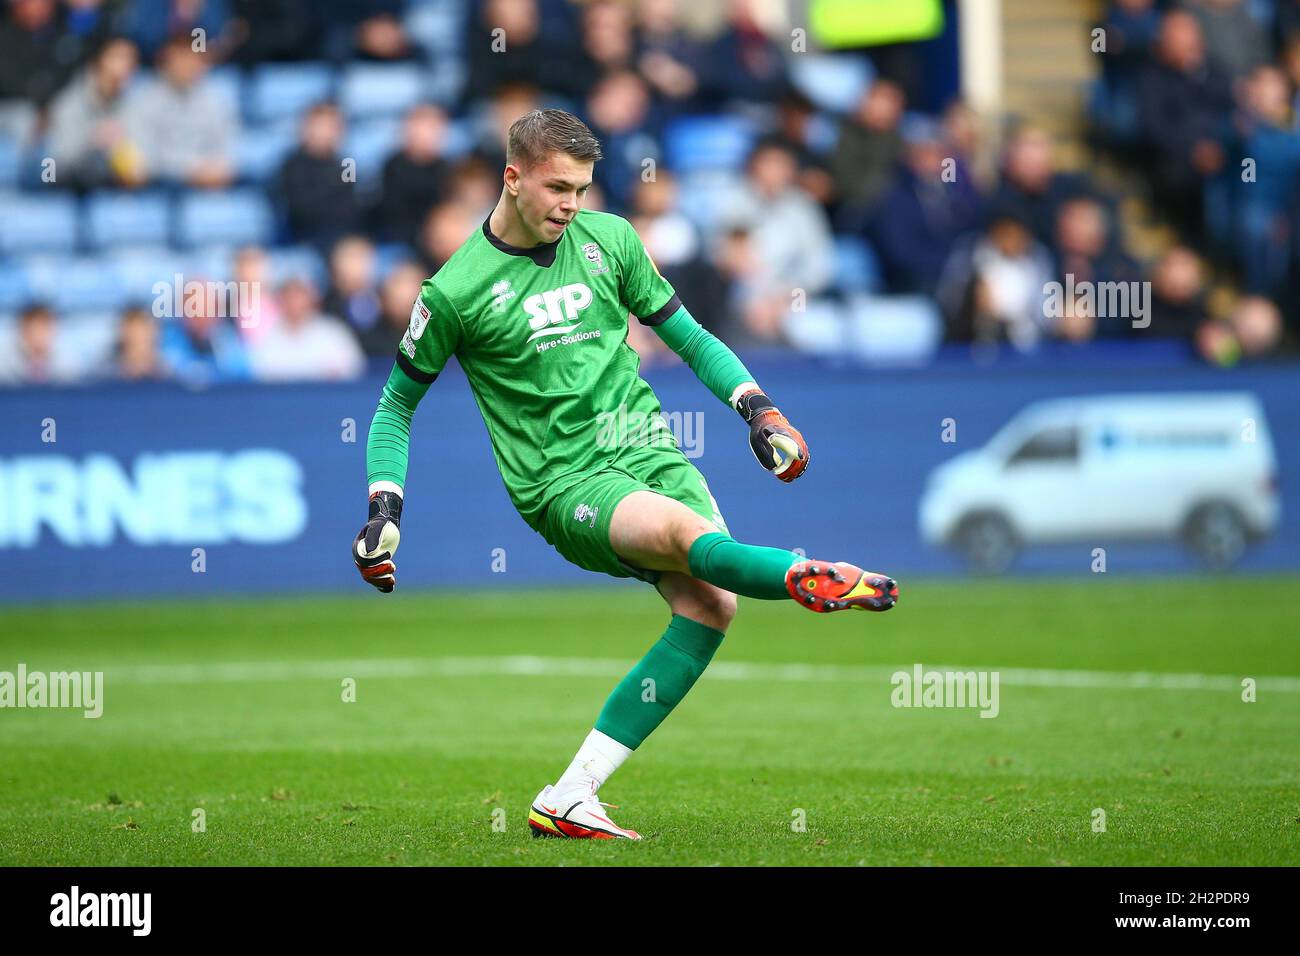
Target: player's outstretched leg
652, 531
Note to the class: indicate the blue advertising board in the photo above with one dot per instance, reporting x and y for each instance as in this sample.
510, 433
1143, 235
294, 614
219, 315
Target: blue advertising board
142, 491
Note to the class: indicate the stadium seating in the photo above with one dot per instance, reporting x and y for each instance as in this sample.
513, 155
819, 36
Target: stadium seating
38, 222
277, 92
229, 217
708, 142
368, 90
70, 284
115, 219
260, 151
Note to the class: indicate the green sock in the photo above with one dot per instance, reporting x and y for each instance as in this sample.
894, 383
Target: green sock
747, 569
659, 681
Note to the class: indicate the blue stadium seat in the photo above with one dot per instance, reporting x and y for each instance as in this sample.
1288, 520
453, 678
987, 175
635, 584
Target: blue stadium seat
857, 268
893, 329
70, 283
14, 292
370, 143
708, 142
261, 151
38, 222
91, 336
227, 82
703, 196
438, 26
115, 219
11, 162
140, 268
284, 91
231, 217
379, 89
833, 81
289, 262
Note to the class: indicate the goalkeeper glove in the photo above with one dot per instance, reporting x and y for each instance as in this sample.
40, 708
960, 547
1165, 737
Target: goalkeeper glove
776, 443
373, 548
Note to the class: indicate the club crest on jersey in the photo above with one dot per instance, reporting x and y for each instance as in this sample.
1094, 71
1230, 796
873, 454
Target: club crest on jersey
584, 512
592, 251
502, 293
419, 318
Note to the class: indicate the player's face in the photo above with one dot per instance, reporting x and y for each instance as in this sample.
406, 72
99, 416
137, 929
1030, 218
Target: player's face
551, 193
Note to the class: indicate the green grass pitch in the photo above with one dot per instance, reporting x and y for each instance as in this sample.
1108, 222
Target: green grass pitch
467, 704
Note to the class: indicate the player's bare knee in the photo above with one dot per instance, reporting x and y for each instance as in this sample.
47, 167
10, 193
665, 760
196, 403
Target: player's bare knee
708, 605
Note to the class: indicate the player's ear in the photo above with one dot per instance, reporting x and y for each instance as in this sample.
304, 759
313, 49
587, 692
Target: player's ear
511, 179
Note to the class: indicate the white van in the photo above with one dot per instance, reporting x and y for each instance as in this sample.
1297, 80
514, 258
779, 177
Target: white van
1195, 467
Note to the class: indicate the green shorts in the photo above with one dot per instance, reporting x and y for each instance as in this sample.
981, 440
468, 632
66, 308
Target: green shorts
576, 521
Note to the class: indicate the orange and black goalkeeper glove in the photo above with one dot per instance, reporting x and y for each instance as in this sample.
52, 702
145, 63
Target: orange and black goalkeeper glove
375, 544
776, 443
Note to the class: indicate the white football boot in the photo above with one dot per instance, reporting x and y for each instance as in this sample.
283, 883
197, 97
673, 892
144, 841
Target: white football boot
576, 817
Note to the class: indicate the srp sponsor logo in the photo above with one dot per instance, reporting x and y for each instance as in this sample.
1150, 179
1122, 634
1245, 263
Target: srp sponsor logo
555, 311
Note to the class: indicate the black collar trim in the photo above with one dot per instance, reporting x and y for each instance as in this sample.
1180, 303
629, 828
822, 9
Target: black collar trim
543, 255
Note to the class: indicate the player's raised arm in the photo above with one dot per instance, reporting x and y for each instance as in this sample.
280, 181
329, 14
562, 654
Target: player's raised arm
433, 336
776, 443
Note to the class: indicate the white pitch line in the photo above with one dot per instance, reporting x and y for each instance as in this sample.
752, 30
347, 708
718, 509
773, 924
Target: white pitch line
529, 666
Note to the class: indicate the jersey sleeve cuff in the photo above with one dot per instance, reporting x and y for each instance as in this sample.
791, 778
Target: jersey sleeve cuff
662, 314
413, 373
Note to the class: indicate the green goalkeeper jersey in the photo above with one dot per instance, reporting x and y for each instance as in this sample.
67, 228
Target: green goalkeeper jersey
541, 334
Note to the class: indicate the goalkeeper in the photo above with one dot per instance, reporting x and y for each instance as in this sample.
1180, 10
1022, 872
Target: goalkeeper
535, 305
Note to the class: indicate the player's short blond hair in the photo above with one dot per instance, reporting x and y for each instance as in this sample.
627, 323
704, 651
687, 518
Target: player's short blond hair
537, 134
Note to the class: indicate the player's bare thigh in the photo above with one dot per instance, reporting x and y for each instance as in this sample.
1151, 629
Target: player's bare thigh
698, 600
655, 532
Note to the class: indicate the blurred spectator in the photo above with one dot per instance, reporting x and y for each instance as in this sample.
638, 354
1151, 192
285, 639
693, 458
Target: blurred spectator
509, 102
87, 134
136, 353
1033, 186
34, 359
780, 245
742, 63
153, 24
184, 131
1177, 295
41, 46
1257, 326
266, 30
477, 186
794, 121
203, 347
607, 45
618, 111
996, 285
445, 229
1234, 42
353, 296
667, 58
921, 216
1086, 252
397, 297
1257, 232
259, 311
1184, 108
1130, 28
364, 30
321, 205
867, 153
415, 177
306, 345
505, 47
674, 244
